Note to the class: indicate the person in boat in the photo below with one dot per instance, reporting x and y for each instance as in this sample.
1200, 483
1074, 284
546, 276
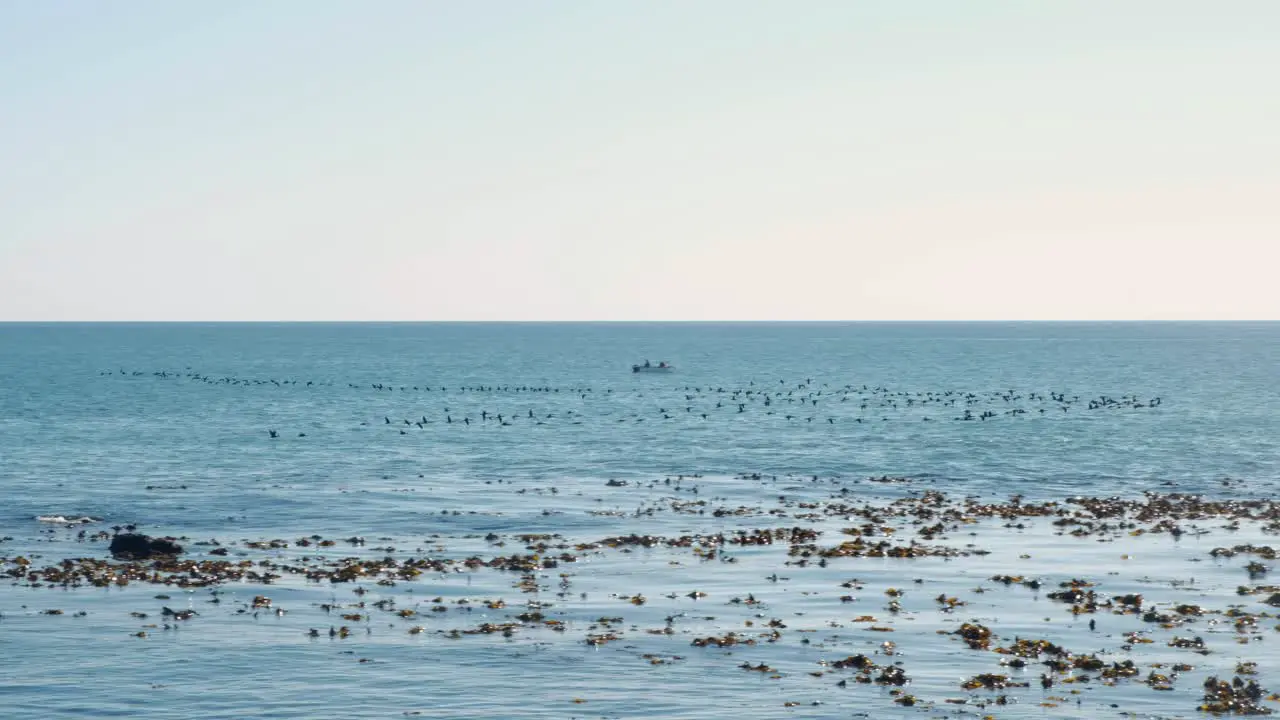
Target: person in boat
646, 363
662, 364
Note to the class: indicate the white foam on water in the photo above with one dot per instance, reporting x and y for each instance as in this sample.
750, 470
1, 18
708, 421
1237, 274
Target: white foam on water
65, 520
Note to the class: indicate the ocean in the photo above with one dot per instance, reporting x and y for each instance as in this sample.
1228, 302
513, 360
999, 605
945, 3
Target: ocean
504, 521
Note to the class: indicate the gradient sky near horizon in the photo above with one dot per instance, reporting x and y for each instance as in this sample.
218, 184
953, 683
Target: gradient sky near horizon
639, 160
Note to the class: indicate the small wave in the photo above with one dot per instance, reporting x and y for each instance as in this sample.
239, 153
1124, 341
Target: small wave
64, 520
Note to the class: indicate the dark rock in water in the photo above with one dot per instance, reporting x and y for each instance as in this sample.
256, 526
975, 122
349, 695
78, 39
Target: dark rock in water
135, 546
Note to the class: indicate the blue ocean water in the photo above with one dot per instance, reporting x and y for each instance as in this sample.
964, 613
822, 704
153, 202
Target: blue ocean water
390, 432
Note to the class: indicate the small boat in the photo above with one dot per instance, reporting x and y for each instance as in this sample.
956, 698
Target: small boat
646, 367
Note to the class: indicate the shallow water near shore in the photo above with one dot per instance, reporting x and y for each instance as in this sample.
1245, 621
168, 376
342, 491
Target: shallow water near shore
625, 516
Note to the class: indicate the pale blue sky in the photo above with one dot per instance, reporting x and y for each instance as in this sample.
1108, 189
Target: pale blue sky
656, 159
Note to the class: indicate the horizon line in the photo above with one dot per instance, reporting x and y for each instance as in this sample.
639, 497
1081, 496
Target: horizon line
642, 322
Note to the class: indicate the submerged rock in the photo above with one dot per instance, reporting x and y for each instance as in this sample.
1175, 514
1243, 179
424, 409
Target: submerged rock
135, 546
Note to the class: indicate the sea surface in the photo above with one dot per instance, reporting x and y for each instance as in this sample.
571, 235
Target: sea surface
387, 442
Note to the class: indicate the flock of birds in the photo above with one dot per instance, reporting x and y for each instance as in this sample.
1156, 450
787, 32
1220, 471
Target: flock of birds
804, 401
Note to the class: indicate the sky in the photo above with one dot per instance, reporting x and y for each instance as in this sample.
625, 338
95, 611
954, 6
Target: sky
639, 160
